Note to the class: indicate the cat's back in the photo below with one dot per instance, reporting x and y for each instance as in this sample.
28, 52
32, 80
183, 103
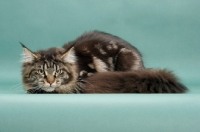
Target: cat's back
106, 51
99, 39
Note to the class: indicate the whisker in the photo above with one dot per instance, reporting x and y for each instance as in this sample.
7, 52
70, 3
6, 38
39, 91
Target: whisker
19, 90
16, 88
16, 85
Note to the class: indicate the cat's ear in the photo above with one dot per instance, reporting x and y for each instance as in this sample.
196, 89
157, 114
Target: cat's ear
69, 56
27, 55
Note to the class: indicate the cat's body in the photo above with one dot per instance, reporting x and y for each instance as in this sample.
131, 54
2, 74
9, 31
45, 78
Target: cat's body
95, 62
101, 52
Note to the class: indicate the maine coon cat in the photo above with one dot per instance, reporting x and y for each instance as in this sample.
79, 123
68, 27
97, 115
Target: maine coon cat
94, 62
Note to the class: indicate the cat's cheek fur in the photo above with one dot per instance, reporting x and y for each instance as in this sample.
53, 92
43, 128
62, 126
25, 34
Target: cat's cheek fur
26, 87
28, 82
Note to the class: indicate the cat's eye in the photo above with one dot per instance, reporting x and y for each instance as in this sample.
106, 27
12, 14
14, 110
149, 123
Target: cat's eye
41, 71
58, 71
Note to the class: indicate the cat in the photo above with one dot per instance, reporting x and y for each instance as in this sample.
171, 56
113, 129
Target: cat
90, 61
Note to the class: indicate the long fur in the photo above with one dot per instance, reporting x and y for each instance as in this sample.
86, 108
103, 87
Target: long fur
95, 62
141, 81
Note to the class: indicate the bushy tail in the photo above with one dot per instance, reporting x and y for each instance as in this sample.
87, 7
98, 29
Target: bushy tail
158, 81
141, 81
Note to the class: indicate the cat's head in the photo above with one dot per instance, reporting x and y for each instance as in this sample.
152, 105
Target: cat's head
48, 69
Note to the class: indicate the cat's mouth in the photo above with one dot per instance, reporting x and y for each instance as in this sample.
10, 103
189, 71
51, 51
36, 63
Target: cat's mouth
48, 87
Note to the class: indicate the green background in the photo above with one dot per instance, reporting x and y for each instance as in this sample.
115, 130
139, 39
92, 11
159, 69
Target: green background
165, 31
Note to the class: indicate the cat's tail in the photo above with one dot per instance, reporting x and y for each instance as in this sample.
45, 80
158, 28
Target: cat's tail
141, 81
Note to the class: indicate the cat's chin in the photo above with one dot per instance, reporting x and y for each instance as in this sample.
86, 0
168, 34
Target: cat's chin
48, 89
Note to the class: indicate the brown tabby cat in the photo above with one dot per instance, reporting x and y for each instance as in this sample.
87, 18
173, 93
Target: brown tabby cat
95, 62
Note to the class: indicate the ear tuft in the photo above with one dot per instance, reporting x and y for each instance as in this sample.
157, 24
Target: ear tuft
22, 45
27, 55
69, 56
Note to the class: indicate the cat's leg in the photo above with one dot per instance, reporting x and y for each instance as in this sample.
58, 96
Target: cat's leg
39, 91
128, 60
84, 74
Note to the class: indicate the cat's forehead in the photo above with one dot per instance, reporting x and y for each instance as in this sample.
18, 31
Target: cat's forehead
48, 64
48, 57
51, 51
50, 54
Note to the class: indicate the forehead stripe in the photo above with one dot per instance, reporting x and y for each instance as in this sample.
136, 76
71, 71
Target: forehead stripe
45, 66
46, 63
54, 66
51, 64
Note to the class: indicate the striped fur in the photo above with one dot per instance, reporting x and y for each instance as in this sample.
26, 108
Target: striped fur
48, 70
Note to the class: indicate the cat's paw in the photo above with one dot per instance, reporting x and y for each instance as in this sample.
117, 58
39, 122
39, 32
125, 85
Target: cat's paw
84, 74
38, 91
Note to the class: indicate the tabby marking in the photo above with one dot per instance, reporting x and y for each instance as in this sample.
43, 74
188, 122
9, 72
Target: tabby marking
49, 70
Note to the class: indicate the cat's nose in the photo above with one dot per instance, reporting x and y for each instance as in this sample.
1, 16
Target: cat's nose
50, 80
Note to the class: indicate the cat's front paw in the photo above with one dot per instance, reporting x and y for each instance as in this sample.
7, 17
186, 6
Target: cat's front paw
39, 91
84, 74
34, 91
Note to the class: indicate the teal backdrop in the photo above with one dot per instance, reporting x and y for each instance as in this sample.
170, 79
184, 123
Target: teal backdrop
167, 32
